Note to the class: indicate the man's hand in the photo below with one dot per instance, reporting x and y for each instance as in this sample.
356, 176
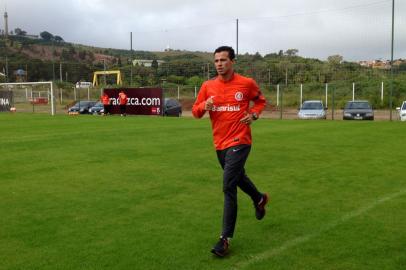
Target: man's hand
247, 119
209, 104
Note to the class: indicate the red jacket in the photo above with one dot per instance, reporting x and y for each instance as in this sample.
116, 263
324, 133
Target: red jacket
122, 98
231, 102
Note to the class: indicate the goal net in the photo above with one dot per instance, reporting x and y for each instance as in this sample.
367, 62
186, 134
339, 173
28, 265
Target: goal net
29, 96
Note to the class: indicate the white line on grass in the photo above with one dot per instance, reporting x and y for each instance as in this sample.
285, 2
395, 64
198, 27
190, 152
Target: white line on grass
296, 241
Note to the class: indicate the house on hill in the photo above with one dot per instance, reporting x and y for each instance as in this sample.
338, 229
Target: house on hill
146, 63
20, 75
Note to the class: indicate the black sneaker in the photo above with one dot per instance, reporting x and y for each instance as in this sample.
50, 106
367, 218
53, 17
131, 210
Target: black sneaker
221, 248
260, 207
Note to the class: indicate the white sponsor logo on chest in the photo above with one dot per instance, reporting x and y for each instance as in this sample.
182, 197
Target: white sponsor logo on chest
226, 108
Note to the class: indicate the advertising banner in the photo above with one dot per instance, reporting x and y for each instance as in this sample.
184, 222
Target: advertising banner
140, 101
6, 100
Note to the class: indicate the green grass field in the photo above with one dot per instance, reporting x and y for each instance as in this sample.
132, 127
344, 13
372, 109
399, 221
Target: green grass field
88, 192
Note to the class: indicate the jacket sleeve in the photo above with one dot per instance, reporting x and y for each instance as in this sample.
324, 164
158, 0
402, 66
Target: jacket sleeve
258, 98
198, 107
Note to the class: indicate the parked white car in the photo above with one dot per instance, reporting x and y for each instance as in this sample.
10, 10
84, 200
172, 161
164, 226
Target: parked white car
312, 109
402, 111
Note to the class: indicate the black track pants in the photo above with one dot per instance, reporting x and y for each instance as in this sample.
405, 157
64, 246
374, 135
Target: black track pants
232, 161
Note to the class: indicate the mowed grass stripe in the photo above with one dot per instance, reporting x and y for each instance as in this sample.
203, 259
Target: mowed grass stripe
145, 193
327, 227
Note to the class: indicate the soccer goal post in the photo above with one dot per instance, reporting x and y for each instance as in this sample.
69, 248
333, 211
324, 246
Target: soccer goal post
51, 98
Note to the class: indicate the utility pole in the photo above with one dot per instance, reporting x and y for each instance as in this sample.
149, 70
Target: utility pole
237, 41
53, 70
5, 25
60, 71
104, 68
391, 59
269, 77
131, 57
7, 78
53, 62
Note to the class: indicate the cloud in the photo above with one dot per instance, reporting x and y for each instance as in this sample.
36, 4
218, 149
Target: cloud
356, 30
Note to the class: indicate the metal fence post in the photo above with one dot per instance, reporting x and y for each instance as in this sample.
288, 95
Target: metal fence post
301, 93
332, 107
382, 93
353, 91
281, 107
277, 95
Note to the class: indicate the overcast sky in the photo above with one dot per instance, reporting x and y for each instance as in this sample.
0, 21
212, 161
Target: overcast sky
355, 29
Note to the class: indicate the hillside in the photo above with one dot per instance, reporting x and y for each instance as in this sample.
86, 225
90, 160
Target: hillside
19, 47
67, 63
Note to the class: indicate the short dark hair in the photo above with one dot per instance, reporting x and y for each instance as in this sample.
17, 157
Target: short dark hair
230, 50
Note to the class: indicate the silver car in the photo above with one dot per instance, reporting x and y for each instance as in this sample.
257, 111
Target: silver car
402, 111
312, 109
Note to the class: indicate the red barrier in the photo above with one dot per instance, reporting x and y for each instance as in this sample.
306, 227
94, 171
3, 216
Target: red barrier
39, 100
145, 101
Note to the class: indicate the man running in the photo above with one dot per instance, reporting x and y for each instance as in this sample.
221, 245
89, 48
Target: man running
227, 97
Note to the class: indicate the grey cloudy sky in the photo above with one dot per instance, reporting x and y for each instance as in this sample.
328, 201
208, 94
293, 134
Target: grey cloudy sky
357, 30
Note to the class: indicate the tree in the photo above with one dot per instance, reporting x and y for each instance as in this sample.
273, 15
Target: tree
46, 36
291, 52
82, 55
67, 55
19, 32
257, 57
176, 79
335, 60
402, 66
271, 55
72, 50
195, 81
58, 39
90, 56
154, 64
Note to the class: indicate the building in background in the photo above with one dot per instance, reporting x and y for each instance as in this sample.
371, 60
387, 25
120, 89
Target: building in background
21, 75
146, 63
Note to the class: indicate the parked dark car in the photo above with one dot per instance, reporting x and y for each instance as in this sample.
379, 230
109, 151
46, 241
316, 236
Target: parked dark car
358, 110
97, 108
172, 107
81, 107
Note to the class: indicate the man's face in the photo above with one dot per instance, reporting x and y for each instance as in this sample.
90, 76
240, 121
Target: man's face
223, 63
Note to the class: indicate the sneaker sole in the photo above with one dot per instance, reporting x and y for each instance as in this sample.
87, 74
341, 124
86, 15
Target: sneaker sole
266, 200
218, 254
